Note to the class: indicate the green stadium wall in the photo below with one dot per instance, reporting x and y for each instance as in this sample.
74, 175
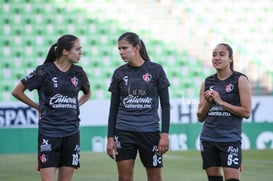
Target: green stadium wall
93, 138
18, 126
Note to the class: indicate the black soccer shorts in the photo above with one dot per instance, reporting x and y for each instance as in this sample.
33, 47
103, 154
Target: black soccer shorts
59, 151
215, 154
128, 143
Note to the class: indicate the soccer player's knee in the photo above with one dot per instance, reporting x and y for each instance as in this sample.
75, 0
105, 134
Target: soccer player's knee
215, 178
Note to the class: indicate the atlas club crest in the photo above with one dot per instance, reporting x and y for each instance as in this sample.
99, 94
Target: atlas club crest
74, 81
147, 77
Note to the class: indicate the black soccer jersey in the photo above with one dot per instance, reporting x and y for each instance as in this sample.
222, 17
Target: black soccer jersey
138, 89
58, 97
220, 125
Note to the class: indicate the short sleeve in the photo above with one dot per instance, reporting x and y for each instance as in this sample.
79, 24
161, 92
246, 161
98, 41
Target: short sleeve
163, 81
114, 86
85, 83
34, 79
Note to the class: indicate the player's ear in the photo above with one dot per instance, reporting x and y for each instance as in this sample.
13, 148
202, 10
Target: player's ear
137, 47
65, 52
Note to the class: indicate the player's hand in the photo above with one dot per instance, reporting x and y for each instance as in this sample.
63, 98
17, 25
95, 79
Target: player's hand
208, 96
216, 97
111, 148
163, 145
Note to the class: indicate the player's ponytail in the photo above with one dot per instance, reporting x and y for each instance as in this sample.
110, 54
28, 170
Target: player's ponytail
143, 51
51, 54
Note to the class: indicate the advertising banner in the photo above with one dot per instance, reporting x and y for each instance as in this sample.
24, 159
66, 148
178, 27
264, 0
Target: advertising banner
18, 126
95, 113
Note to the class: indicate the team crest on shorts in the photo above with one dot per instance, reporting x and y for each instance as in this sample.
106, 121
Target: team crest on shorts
43, 158
147, 77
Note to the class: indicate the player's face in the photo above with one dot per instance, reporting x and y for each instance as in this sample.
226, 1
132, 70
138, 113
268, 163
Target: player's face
75, 53
127, 51
220, 58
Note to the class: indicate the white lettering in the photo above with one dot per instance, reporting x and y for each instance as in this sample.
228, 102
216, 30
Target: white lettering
10, 117
137, 102
60, 101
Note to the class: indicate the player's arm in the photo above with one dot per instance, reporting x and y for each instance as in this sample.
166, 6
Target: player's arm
165, 109
114, 104
244, 109
19, 93
163, 145
85, 97
86, 89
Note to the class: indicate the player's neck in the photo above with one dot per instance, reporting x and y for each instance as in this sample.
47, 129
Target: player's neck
222, 75
137, 62
62, 65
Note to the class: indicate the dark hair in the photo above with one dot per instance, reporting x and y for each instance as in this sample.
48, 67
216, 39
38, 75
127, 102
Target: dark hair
134, 40
230, 52
65, 42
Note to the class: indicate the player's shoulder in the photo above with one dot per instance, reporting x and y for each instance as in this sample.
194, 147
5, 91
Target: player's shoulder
121, 68
153, 65
44, 68
211, 77
239, 74
78, 67
119, 71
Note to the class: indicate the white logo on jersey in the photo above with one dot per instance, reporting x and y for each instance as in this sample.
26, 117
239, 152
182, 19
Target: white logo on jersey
125, 78
137, 102
60, 101
55, 81
211, 88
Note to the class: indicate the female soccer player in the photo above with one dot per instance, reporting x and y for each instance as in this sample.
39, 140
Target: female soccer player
134, 124
225, 99
58, 82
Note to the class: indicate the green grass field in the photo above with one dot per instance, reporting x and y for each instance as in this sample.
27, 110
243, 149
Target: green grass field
182, 166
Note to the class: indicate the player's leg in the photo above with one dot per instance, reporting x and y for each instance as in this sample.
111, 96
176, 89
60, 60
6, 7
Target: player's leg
126, 154
48, 156
65, 173
232, 174
47, 174
154, 174
70, 157
214, 174
231, 157
211, 160
126, 170
148, 152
